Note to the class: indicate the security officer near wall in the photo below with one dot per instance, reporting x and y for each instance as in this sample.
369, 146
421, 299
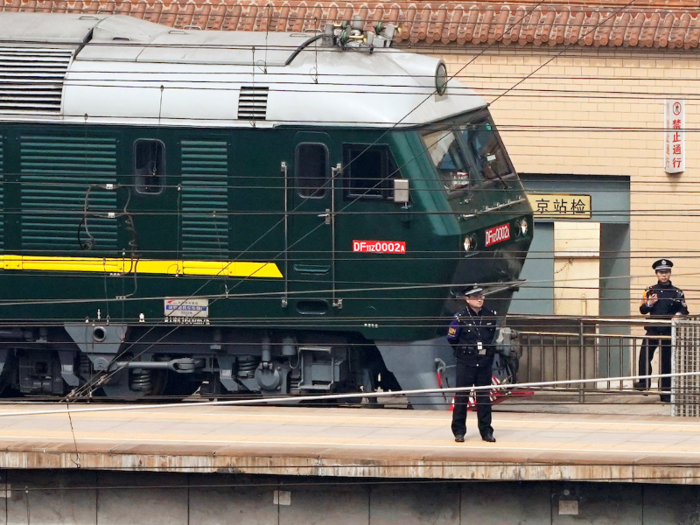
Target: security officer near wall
471, 335
660, 301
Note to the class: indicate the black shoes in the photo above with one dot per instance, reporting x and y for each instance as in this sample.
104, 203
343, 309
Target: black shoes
486, 437
640, 385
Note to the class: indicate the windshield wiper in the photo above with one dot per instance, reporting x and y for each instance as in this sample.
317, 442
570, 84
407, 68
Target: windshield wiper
496, 175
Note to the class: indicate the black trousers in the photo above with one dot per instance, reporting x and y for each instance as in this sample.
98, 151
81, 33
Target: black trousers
470, 375
649, 346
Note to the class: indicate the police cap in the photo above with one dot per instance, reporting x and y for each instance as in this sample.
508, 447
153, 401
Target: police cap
662, 265
473, 289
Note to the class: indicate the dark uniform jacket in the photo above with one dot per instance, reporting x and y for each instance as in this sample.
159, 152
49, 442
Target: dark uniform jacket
671, 301
467, 330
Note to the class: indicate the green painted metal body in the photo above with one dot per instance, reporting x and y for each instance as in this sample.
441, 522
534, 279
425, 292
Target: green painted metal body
224, 199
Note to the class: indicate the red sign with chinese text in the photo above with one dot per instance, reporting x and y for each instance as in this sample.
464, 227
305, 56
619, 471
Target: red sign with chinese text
674, 147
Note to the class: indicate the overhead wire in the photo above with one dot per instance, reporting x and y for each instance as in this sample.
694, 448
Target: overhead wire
545, 284
90, 387
393, 286
621, 210
337, 397
203, 20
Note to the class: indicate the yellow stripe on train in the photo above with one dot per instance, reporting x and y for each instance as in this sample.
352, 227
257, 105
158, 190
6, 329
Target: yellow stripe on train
126, 266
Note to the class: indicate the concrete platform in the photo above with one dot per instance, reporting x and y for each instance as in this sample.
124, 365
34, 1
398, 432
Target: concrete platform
357, 443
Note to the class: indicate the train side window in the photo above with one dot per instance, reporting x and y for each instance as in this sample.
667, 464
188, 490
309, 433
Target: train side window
368, 172
312, 170
149, 166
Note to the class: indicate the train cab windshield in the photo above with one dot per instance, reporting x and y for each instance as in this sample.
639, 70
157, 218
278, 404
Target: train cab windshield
468, 153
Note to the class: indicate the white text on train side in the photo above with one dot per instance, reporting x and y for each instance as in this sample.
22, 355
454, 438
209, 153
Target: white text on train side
379, 246
497, 234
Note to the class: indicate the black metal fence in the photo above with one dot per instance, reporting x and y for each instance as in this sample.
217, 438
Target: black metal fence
567, 349
685, 390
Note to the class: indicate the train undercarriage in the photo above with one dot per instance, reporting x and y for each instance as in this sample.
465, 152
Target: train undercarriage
128, 362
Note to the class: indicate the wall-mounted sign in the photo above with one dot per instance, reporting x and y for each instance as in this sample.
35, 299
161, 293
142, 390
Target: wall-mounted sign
674, 136
558, 206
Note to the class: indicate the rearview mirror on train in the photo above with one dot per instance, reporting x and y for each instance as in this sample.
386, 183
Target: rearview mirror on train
401, 191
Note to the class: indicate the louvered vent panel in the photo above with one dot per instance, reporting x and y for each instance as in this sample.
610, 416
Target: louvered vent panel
56, 173
31, 79
2, 195
252, 103
204, 200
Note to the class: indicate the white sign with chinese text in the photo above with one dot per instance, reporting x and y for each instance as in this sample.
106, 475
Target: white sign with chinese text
674, 136
186, 307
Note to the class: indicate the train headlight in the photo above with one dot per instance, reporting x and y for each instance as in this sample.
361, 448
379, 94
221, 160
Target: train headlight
469, 243
522, 227
441, 78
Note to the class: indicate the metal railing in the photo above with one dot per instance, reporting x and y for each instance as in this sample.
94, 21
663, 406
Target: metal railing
556, 349
685, 390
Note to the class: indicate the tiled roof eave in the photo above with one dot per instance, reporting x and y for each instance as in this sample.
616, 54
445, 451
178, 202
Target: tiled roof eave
610, 23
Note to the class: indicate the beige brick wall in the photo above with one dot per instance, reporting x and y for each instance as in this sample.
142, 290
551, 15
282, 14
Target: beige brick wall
576, 268
600, 112
576, 239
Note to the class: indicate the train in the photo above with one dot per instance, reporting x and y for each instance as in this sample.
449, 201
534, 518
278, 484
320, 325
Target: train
240, 213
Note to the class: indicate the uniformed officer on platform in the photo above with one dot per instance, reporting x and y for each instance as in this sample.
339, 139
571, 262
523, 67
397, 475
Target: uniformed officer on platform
660, 301
471, 335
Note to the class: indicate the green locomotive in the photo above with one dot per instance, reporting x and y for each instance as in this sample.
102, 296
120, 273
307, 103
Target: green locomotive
241, 212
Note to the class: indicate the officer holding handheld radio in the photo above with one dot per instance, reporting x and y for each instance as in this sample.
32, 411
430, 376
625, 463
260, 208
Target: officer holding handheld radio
660, 301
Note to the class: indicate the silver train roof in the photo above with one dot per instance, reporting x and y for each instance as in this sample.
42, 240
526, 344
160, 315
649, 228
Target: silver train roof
122, 70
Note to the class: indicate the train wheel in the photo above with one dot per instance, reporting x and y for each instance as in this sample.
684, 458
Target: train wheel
135, 383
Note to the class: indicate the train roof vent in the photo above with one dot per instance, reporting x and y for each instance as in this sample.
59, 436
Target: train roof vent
31, 79
252, 103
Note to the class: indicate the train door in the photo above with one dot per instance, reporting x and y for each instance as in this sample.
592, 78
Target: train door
149, 200
311, 209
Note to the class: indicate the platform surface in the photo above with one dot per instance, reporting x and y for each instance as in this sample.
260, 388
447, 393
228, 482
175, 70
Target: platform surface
376, 443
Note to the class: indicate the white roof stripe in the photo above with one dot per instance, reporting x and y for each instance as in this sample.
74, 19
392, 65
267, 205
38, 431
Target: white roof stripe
138, 73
